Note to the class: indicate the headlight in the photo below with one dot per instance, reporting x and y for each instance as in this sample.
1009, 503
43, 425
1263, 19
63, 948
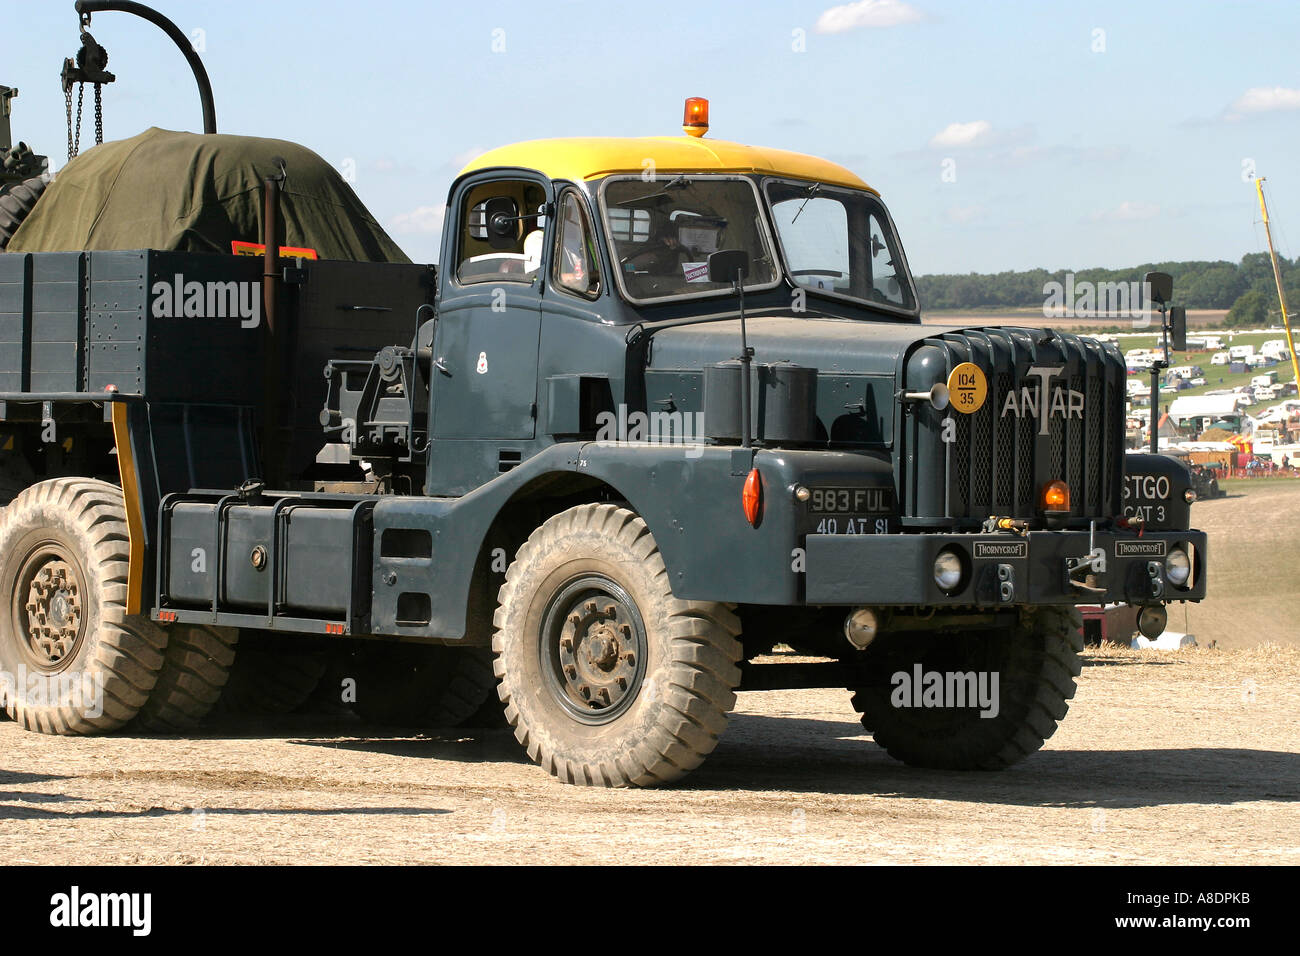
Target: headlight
1178, 567
947, 570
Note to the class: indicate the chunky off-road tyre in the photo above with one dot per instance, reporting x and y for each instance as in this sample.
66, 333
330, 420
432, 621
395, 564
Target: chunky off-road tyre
15, 204
1036, 662
607, 679
89, 666
421, 686
195, 668
267, 680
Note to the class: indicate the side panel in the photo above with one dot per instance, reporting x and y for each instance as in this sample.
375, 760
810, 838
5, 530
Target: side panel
15, 321
690, 496
57, 334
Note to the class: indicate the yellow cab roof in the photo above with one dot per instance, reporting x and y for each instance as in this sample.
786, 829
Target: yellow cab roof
583, 158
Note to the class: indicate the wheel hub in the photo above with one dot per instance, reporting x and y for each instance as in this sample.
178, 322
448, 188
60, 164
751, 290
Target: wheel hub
597, 653
53, 610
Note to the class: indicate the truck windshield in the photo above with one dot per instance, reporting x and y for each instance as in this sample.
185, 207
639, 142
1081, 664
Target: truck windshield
840, 242
663, 231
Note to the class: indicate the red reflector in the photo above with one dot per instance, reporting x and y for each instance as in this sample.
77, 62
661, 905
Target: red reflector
752, 497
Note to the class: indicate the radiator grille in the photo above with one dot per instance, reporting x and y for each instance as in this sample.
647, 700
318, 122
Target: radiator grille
1000, 456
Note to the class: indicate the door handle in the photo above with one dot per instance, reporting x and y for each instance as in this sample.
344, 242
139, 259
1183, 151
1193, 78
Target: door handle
441, 366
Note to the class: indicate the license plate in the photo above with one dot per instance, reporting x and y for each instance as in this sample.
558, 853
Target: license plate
850, 501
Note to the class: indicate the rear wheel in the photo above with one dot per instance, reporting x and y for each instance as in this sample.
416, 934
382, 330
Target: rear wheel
74, 661
195, 669
606, 677
421, 685
1035, 665
276, 675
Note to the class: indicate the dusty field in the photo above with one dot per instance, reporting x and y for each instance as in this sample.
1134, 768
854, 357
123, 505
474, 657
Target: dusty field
1191, 757
1254, 583
1185, 758
1034, 318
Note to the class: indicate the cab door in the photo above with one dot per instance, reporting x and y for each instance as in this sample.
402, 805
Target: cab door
484, 375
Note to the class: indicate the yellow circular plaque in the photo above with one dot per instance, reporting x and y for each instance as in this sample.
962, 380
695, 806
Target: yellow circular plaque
967, 388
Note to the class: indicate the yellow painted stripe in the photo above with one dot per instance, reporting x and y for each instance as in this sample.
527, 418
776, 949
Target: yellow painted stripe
134, 518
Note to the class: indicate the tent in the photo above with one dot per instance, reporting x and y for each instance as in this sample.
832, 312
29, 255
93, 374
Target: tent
196, 193
1203, 406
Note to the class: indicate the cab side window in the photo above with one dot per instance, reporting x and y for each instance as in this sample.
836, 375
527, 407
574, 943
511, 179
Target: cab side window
500, 232
575, 267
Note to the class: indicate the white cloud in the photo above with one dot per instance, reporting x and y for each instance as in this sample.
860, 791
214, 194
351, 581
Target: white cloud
1127, 211
461, 160
963, 215
867, 14
962, 134
1265, 99
424, 219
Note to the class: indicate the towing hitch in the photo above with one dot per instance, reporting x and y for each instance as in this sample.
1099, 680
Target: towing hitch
1087, 567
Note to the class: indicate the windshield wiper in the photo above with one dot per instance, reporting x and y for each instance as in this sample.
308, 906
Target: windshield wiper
812, 191
677, 182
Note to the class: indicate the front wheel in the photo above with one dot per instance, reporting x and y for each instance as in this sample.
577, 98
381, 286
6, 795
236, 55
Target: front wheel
978, 701
607, 678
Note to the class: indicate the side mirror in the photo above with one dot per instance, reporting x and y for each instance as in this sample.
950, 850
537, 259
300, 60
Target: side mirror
1178, 329
728, 265
500, 215
1160, 286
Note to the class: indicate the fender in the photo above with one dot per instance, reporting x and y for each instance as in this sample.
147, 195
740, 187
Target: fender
1155, 488
697, 533
132, 497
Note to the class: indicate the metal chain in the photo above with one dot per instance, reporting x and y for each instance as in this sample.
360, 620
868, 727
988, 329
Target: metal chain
67, 97
76, 145
99, 115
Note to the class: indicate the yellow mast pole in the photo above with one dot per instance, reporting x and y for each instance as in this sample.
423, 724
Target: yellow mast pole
1277, 278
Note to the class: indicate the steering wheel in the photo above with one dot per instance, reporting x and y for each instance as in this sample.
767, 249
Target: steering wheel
818, 272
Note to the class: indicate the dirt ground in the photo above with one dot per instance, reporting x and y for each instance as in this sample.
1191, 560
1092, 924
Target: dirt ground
1189, 757
1254, 583
1182, 757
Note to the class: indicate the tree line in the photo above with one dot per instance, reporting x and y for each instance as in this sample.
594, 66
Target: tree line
1244, 288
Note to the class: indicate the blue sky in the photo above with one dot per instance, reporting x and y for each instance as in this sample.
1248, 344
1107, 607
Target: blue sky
1002, 135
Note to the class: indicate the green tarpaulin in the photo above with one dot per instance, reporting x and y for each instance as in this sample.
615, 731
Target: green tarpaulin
194, 193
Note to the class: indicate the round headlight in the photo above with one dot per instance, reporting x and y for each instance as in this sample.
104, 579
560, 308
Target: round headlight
947, 570
1178, 567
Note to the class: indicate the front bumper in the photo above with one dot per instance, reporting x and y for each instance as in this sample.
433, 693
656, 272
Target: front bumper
1002, 570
